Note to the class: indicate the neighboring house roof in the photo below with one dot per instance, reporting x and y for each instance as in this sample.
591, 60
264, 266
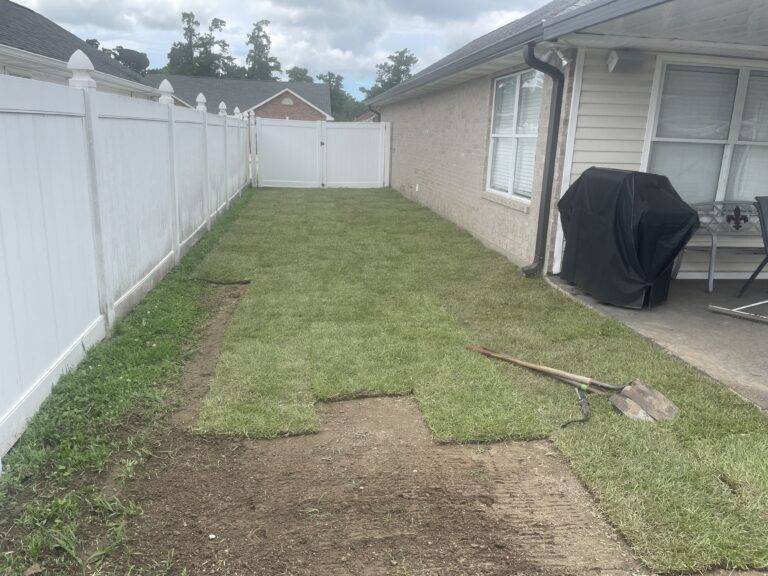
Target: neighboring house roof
555, 18
26, 30
245, 94
366, 116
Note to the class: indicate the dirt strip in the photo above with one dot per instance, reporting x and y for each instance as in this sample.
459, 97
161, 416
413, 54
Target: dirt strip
371, 494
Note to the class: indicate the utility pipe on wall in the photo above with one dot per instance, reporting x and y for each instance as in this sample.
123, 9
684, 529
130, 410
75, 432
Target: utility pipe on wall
553, 129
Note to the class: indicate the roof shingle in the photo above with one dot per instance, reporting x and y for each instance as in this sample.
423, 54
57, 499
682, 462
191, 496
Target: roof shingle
27, 30
239, 92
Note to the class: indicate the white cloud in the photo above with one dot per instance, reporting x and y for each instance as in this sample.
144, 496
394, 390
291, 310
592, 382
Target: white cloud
348, 37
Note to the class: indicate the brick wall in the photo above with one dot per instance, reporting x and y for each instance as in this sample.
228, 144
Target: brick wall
440, 145
298, 111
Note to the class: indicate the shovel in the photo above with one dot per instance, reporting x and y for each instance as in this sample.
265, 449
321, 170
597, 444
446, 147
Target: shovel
637, 400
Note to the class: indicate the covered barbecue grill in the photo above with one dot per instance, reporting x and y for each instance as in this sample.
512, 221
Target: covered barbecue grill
623, 231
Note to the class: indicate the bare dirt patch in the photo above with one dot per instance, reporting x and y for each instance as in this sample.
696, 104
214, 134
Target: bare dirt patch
198, 371
371, 494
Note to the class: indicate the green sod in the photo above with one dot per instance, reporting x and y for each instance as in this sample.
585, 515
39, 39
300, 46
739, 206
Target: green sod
359, 292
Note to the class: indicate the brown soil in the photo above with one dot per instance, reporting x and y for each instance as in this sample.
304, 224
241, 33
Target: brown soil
199, 370
371, 494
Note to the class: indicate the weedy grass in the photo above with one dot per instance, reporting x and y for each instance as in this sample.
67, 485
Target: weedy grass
50, 511
360, 292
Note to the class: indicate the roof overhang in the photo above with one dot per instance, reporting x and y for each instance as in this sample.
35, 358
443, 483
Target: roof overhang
704, 27
508, 52
58, 69
292, 93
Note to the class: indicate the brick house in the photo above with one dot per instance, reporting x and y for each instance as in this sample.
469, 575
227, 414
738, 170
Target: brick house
279, 100
492, 134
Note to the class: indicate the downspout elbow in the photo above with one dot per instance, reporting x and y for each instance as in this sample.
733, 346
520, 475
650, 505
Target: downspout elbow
553, 129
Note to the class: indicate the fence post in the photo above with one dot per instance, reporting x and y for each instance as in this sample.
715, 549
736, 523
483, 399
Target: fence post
166, 91
81, 67
323, 154
252, 149
259, 140
201, 107
223, 112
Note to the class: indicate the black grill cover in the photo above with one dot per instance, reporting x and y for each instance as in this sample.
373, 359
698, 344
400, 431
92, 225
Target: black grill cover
623, 231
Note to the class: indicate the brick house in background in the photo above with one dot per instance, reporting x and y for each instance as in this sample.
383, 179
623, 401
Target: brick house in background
280, 100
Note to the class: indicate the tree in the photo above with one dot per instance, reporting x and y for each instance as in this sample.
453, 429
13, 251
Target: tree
343, 105
133, 59
202, 54
298, 74
259, 64
181, 58
396, 70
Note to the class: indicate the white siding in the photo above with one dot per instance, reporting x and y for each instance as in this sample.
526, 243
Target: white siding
613, 111
610, 133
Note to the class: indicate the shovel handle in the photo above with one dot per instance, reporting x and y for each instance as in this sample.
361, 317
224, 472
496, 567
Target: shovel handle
574, 380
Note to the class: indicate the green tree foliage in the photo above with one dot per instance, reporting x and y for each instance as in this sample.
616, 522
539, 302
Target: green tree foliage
298, 74
202, 53
396, 70
343, 105
259, 64
133, 59
181, 58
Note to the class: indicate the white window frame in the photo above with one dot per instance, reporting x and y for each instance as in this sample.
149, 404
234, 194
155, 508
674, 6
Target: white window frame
744, 67
510, 194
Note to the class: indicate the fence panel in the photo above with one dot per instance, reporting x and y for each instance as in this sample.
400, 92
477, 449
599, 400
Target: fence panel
289, 153
134, 178
217, 162
315, 154
48, 293
100, 194
190, 156
356, 154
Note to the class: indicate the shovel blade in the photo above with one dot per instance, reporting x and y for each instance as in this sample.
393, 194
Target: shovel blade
639, 401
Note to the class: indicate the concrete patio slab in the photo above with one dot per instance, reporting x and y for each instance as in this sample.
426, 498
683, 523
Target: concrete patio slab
731, 350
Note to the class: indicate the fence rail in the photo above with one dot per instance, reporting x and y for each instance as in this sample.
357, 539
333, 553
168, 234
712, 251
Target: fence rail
101, 194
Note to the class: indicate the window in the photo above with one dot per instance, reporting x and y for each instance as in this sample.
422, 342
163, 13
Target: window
711, 132
514, 133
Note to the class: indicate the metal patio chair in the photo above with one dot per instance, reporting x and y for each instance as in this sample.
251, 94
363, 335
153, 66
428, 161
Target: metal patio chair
761, 203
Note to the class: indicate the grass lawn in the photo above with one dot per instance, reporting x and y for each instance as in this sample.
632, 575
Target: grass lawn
361, 292
99, 417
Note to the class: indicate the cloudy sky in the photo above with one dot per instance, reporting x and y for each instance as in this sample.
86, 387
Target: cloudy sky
348, 37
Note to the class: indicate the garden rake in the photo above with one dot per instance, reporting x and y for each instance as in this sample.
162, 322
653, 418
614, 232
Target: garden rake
637, 400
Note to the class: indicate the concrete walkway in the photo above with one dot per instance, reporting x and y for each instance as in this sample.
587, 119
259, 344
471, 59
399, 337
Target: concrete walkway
731, 350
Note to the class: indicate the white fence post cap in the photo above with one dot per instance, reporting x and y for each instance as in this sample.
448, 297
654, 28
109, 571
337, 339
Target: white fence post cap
166, 91
81, 67
201, 103
222, 109
237, 111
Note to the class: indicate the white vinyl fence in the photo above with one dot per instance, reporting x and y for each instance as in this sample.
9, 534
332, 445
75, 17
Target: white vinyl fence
300, 154
100, 195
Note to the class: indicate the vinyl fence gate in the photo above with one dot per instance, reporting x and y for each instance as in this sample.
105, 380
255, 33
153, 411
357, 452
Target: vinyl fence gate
301, 154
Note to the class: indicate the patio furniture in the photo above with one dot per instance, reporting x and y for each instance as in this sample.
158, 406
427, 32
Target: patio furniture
761, 204
727, 224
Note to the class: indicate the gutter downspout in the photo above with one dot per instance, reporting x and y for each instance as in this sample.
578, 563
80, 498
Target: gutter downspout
553, 130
